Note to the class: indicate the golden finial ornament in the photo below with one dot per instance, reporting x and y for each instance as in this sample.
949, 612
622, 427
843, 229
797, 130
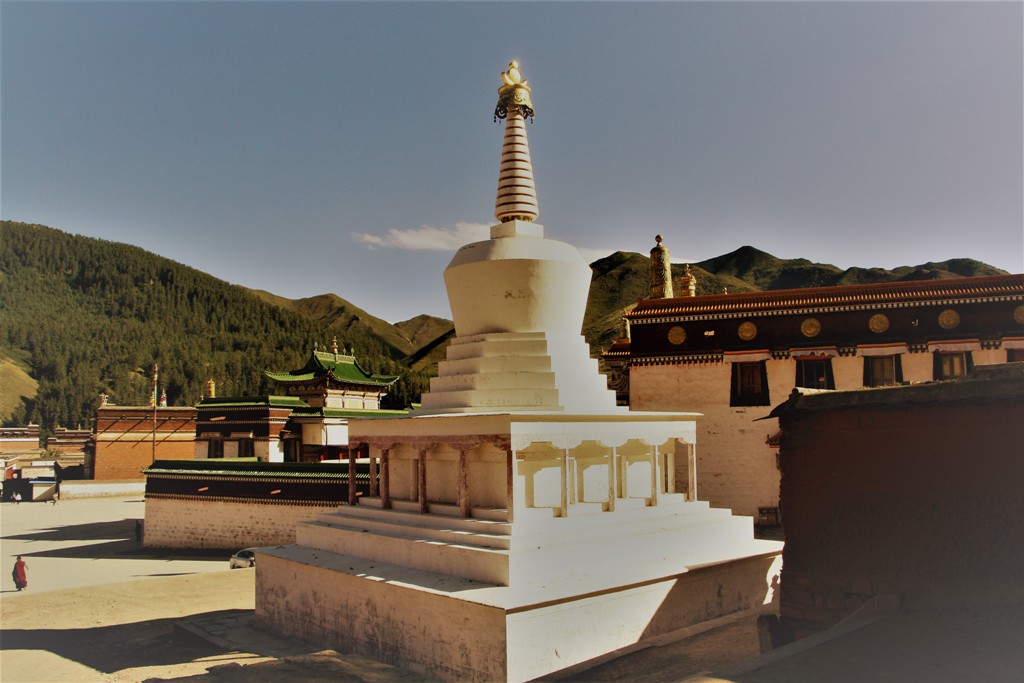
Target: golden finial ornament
514, 94
517, 193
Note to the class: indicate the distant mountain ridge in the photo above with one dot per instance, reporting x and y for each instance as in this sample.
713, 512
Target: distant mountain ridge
80, 316
622, 278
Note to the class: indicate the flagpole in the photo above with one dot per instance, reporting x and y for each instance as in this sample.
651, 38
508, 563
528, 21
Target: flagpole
153, 400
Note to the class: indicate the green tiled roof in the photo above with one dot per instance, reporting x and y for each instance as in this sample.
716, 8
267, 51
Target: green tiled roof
336, 366
347, 412
271, 401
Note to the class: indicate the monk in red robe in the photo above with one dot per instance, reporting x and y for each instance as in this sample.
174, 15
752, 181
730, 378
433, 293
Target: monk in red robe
19, 574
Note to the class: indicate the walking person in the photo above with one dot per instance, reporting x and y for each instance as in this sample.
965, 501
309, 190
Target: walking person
20, 575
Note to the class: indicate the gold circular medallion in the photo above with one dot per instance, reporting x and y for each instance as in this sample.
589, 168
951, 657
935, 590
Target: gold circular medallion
810, 327
747, 331
878, 323
949, 319
677, 335
1018, 315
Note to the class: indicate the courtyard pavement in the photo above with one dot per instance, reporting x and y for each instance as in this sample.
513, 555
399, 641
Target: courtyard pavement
101, 608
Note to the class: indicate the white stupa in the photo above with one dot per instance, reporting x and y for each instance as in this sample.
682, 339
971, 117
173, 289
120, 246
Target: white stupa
518, 301
521, 522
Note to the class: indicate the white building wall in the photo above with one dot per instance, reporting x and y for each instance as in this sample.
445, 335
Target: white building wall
736, 468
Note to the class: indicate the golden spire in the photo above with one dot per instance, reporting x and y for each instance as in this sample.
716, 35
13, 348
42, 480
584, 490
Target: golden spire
661, 271
517, 193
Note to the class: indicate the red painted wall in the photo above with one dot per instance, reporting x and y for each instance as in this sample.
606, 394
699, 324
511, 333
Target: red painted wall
922, 498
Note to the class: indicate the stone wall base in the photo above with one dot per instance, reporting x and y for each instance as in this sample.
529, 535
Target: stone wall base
180, 523
457, 629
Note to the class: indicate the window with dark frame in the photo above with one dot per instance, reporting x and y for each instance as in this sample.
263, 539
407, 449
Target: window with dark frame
246, 448
215, 448
814, 373
1015, 355
951, 365
880, 371
749, 384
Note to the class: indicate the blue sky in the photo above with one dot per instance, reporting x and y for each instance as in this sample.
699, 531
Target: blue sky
345, 147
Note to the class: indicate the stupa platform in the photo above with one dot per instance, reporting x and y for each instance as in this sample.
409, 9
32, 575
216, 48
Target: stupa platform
506, 546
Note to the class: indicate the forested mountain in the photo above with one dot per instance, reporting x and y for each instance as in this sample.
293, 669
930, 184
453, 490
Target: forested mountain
81, 316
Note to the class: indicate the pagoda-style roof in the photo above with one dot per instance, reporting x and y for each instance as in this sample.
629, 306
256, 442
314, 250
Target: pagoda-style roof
333, 367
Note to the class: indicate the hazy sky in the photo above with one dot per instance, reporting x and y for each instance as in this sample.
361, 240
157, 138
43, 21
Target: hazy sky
346, 147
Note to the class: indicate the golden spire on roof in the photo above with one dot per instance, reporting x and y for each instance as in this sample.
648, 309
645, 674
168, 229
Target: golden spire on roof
661, 271
517, 193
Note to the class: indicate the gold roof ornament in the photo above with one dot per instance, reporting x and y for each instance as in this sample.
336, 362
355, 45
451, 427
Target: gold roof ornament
514, 94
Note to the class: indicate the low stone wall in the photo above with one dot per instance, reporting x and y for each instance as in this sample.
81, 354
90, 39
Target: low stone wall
177, 523
100, 489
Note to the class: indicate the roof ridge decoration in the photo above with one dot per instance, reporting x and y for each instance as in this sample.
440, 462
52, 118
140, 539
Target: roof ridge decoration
517, 193
332, 366
838, 295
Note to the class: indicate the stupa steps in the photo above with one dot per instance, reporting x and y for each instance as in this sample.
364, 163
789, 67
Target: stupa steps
628, 520
502, 381
389, 527
417, 520
495, 364
530, 553
493, 399
406, 549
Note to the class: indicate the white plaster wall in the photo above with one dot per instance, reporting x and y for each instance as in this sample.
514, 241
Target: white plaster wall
313, 434
736, 469
337, 434
486, 477
443, 475
404, 620
454, 640
176, 523
989, 356
917, 367
269, 451
848, 372
404, 478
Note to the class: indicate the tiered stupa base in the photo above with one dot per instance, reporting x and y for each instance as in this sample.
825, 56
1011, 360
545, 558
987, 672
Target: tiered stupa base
507, 546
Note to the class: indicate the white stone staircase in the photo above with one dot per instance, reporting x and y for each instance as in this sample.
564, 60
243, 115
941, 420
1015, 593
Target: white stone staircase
537, 546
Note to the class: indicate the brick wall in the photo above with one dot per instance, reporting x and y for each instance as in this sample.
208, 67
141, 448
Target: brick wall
124, 437
177, 523
129, 455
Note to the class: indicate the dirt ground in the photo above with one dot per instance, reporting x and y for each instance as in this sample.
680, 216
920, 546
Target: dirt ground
99, 607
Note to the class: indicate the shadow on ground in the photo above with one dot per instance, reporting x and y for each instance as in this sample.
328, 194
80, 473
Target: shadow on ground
112, 648
122, 529
320, 667
132, 550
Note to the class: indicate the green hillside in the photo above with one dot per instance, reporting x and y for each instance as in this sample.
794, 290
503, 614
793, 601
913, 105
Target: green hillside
85, 316
81, 316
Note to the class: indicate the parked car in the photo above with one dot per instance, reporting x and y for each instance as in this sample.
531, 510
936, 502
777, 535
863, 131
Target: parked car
243, 558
